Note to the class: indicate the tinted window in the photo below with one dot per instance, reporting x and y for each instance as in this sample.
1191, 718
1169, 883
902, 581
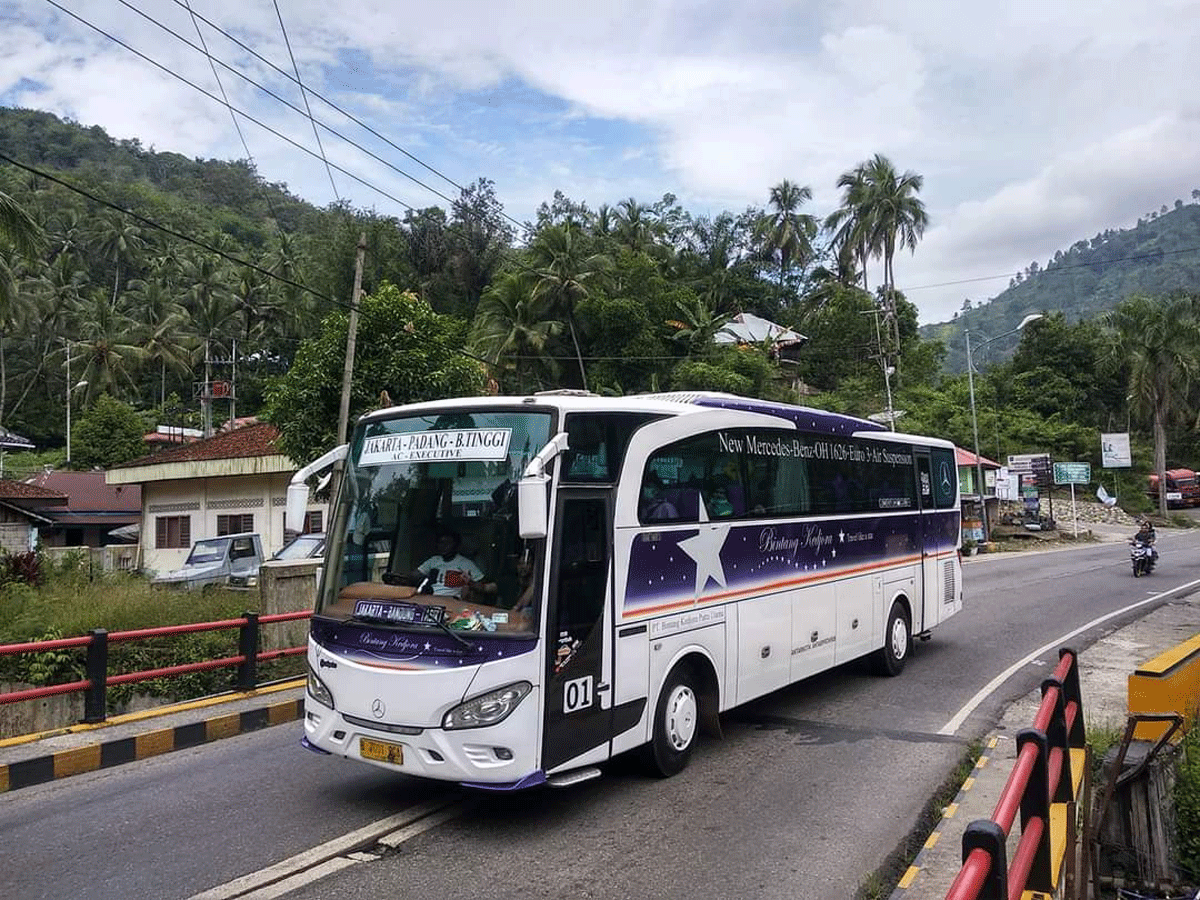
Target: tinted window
763, 472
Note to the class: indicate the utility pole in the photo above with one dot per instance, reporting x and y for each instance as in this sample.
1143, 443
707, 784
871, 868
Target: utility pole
335, 483
206, 394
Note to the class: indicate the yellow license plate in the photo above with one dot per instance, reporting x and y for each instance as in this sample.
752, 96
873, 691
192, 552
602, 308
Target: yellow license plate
381, 751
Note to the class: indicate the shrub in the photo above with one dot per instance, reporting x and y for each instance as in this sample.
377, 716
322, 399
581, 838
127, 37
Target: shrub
21, 568
1187, 806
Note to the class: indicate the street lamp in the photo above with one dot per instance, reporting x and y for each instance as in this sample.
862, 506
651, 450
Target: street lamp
1032, 317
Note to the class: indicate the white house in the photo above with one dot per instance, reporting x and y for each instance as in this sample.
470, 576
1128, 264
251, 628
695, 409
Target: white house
234, 481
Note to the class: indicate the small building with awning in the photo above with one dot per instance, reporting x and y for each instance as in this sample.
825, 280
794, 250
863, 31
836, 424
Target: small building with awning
23, 509
973, 494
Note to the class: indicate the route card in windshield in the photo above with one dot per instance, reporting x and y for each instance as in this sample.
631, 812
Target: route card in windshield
400, 612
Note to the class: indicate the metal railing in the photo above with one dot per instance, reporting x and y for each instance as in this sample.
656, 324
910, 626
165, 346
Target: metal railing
97, 679
1042, 777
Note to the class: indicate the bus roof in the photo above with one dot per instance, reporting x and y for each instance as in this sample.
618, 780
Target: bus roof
670, 403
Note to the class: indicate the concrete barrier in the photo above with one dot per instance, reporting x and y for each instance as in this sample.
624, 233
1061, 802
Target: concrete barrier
1169, 683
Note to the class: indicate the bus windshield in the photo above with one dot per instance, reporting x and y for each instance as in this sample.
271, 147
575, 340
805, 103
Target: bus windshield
425, 534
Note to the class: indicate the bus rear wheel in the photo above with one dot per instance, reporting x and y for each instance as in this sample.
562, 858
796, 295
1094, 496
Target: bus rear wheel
676, 723
897, 643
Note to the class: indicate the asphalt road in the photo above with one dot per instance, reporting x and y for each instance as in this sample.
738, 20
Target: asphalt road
807, 793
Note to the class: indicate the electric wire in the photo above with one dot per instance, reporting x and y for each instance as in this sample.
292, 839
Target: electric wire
236, 125
304, 95
350, 116
229, 257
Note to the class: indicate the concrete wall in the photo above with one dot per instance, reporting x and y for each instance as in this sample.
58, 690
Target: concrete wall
32, 716
287, 586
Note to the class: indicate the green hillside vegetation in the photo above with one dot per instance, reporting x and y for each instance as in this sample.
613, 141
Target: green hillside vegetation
620, 297
1157, 257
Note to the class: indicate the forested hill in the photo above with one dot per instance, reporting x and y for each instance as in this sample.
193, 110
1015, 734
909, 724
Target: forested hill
1158, 256
229, 196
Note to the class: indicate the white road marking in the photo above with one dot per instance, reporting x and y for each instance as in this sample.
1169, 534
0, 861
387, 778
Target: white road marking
325, 859
955, 723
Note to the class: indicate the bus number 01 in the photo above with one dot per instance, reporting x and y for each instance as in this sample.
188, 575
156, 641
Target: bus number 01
577, 694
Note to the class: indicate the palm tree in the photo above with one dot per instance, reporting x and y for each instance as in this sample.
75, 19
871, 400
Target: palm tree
22, 234
120, 241
897, 220
697, 325
1160, 343
108, 346
163, 330
851, 226
514, 331
786, 233
564, 275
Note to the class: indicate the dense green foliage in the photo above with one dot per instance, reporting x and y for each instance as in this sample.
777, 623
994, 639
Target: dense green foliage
1187, 808
1156, 257
402, 348
109, 433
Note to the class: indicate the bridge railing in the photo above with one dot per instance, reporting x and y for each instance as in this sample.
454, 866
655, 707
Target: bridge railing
97, 679
1043, 787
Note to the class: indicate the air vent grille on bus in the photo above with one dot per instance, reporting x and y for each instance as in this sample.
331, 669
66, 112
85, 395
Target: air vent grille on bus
950, 588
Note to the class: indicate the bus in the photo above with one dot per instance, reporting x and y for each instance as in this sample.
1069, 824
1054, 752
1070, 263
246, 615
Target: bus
517, 589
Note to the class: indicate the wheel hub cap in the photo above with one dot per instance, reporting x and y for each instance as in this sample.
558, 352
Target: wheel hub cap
681, 717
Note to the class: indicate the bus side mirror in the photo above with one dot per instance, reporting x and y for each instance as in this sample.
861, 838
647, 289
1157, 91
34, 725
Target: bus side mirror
531, 506
297, 506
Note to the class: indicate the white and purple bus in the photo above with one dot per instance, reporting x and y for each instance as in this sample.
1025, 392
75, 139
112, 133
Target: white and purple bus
517, 589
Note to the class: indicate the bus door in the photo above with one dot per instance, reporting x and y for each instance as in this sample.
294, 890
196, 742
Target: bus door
578, 696
927, 579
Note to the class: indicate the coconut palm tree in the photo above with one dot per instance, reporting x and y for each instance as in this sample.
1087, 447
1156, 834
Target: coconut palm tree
108, 347
22, 237
897, 220
120, 241
565, 275
851, 227
1159, 340
785, 233
513, 329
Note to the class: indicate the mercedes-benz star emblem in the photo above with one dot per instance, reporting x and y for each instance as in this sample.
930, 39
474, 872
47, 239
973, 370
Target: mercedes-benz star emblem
378, 709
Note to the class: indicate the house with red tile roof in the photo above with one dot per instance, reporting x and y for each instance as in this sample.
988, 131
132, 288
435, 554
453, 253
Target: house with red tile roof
93, 509
234, 481
22, 511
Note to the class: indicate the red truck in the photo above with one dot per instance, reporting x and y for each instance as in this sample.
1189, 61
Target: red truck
1183, 488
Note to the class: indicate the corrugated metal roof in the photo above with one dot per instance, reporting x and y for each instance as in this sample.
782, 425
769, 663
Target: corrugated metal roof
87, 494
967, 458
24, 494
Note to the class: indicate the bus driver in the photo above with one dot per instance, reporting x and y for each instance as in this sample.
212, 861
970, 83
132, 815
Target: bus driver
449, 573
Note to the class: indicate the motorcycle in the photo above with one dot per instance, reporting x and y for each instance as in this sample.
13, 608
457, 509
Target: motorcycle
1142, 557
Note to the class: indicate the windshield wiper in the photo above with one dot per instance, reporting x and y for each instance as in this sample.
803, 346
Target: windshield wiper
392, 623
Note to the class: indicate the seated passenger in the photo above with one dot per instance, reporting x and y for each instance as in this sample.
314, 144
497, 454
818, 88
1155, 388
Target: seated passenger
653, 504
717, 503
450, 574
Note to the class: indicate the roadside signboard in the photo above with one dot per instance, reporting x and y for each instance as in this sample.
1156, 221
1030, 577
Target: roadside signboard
1114, 451
1072, 473
1032, 464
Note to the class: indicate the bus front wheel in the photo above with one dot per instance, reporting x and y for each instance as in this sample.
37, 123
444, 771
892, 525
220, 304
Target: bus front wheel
676, 723
897, 643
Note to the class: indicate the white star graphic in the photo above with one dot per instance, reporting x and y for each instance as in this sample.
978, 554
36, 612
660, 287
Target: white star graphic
841, 537
705, 549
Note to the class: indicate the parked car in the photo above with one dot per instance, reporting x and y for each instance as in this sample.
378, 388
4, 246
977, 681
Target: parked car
303, 546
218, 560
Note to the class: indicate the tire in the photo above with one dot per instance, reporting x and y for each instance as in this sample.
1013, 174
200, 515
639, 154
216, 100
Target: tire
676, 724
889, 659
1137, 569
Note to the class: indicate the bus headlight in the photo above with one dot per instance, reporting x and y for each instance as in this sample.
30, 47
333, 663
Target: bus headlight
317, 689
487, 709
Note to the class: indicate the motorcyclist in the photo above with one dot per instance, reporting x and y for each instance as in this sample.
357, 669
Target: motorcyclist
1146, 536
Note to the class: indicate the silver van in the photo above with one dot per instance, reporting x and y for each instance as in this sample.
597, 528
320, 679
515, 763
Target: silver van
232, 559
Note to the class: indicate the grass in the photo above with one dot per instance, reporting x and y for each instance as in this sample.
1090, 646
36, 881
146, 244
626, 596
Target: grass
882, 882
73, 599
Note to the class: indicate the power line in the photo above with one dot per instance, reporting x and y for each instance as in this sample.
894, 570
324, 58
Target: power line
1059, 268
236, 126
325, 100
304, 95
309, 91
171, 231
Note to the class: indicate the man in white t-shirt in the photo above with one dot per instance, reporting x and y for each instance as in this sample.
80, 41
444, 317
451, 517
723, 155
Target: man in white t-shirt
450, 573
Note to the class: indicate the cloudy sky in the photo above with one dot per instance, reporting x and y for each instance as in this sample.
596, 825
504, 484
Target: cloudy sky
1034, 124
